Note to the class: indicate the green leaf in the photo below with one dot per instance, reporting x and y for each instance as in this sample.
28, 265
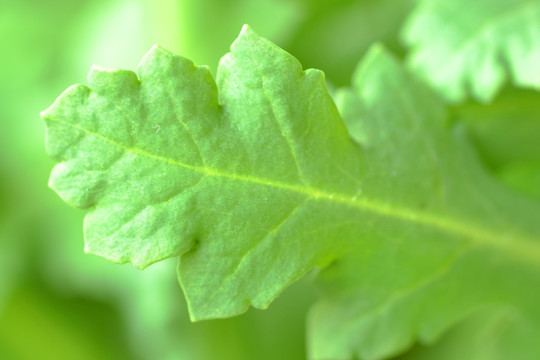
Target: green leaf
461, 45
165, 168
254, 180
462, 244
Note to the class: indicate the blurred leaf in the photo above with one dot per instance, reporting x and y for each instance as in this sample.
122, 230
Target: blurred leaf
465, 243
482, 335
462, 45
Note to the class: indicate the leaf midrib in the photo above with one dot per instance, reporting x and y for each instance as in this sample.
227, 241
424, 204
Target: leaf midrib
524, 248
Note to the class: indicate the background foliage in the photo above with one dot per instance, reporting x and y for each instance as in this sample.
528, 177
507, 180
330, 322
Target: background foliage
68, 305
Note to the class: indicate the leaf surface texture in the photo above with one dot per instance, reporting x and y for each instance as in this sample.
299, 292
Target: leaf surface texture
166, 166
254, 179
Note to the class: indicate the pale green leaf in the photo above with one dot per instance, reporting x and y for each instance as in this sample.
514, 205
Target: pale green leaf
254, 180
254, 183
461, 242
460, 46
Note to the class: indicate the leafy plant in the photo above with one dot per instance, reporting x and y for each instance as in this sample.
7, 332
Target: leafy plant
258, 177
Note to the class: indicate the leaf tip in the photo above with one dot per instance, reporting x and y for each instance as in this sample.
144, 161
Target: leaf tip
45, 114
160, 58
377, 57
247, 30
77, 91
379, 52
156, 50
248, 35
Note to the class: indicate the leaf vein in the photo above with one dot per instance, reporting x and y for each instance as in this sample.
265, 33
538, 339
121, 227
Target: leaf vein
522, 247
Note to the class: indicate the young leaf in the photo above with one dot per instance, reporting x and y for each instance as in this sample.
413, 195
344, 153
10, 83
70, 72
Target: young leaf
460, 45
463, 243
